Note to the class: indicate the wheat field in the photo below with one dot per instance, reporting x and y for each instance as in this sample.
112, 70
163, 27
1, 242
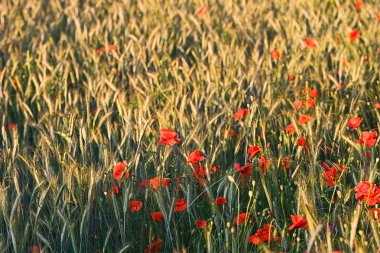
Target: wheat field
189, 126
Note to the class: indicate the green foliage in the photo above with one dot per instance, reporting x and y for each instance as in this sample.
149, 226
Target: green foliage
69, 112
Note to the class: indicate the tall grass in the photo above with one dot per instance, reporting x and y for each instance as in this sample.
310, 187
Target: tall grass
70, 112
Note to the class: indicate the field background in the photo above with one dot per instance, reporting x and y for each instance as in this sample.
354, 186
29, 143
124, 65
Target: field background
69, 112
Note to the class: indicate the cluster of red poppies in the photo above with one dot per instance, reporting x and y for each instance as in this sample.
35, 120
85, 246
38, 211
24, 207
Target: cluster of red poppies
367, 192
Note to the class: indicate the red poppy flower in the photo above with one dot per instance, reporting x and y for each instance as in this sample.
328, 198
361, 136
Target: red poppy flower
328, 151
115, 190
310, 102
245, 171
213, 168
374, 213
341, 168
155, 182
154, 247
144, 183
253, 151
377, 105
291, 78
135, 205
168, 137
310, 43
297, 104
119, 169
368, 138
110, 48
354, 35
368, 193
241, 219
354, 123
303, 119
220, 201
180, 205
36, 249
290, 129
199, 178
201, 11
157, 216
301, 141
11, 127
285, 163
359, 4
332, 174
298, 222
276, 54
201, 171
201, 224
232, 133
362, 189
378, 16
263, 235
264, 164
195, 157
240, 114
313, 93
